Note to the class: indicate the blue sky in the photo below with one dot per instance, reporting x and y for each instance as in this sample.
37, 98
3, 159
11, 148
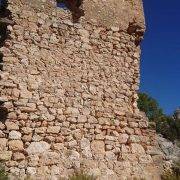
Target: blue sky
160, 62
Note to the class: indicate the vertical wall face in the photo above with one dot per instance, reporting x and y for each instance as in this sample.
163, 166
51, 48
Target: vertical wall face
71, 91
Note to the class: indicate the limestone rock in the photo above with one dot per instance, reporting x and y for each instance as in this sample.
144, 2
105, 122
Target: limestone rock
110, 156
14, 135
86, 148
38, 147
5, 155
115, 29
2, 126
72, 143
40, 130
3, 143
123, 138
11, 126
145, 159
53, 129
33, 160
168, 149
59, 147
82, 119
49, 158
73, 111
85, 143
134, 139
31, 171
166, 146
137, 149
18, 156
98, 148
16, 145
74, 158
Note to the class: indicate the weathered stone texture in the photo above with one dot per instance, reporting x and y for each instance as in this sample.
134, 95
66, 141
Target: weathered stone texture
71, 91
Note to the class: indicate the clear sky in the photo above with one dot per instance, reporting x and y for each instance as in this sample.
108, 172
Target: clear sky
160, 66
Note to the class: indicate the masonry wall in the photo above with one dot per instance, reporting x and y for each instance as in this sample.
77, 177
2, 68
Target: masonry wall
71, 92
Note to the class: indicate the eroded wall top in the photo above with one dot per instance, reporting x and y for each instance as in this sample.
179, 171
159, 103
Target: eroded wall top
108, 13
114, 12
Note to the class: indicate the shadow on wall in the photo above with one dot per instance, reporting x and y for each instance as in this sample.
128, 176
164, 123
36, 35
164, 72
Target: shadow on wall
3, 113
74, 6
5, 16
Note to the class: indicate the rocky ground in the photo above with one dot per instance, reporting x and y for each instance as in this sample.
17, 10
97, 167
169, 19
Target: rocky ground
168, 153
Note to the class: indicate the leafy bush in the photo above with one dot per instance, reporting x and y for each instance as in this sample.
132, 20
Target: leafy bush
3, 174
165, 125
81, 176
150, 106
168, 127
170, 176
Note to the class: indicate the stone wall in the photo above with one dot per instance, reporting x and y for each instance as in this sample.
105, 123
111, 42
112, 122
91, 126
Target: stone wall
71, 92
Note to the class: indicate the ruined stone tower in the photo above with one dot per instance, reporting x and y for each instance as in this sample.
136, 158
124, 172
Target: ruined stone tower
70, 89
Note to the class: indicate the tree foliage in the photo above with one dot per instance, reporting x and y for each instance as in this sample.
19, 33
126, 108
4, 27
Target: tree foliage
165, 125
81, 176
3, 174
150, 106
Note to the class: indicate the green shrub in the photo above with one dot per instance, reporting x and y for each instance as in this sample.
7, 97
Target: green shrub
81, 176
3, 174
170, 176
174, 174
165, 125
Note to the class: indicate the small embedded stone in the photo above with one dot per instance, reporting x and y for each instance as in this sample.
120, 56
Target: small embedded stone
15, 135
137, 148
145, 159
115, 29
72, 143
40, 130
53, 129
5, 155
3, 143
18, 156
98, 148
70, 110
134, 139
123, 138
82, 119
31, 170
15, 145
110, 138
11, 126
84, 143
38, 147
